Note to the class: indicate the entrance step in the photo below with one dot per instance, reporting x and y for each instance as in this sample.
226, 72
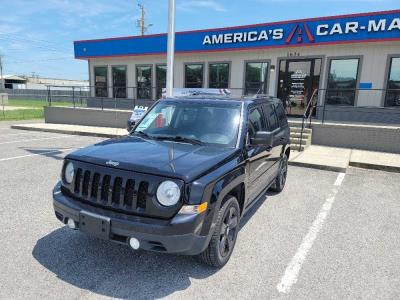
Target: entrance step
295, 134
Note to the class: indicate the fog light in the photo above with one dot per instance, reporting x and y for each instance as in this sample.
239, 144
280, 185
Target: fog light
71, 224
134, 243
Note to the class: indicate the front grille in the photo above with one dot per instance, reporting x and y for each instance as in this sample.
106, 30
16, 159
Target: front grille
119, 190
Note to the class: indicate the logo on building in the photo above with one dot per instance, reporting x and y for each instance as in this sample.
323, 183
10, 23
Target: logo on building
298, 33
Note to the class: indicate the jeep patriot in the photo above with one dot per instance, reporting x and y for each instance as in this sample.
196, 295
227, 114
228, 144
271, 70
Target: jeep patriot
181, 180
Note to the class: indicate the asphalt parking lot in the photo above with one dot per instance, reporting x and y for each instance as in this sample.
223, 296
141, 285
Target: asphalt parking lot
326, 236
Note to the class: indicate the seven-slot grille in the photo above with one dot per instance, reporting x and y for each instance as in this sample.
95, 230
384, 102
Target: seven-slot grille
108, 190
118, 190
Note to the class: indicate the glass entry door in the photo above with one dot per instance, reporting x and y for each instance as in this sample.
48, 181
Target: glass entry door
297, 81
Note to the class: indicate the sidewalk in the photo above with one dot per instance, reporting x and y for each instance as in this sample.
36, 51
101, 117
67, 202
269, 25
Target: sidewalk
106, 132
317, 157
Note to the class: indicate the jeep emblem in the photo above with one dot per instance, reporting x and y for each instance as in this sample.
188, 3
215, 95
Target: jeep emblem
112, 163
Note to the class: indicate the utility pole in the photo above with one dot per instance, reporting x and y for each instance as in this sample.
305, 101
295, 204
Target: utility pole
141, 23
170, 48
1, 73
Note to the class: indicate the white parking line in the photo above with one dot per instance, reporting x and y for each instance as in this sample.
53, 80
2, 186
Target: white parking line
339, 179
39, 139
36, 154
293, 269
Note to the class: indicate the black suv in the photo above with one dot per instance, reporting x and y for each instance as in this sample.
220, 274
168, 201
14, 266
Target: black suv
182, 179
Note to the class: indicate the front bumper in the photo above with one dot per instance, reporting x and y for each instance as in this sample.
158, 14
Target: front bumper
178, 235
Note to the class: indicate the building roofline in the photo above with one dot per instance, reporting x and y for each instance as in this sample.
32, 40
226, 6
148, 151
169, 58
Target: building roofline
246, 26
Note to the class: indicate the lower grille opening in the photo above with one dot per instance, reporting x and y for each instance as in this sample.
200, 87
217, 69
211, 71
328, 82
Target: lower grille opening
119, 238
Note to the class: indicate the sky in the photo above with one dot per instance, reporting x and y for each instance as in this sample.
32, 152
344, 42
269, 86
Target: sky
36, 36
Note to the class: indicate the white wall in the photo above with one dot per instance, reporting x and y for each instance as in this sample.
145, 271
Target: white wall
373, 67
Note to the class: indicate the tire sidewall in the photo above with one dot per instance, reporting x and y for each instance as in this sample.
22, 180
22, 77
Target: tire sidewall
231, 202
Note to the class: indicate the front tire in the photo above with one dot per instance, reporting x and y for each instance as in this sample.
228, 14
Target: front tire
223, 240
280, 180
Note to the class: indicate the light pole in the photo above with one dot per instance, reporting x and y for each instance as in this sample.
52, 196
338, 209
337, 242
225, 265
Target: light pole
170, 48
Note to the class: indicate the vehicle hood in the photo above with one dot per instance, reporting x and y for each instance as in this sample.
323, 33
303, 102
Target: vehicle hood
166, 158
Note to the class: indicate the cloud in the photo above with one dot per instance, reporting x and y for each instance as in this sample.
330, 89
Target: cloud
207, 4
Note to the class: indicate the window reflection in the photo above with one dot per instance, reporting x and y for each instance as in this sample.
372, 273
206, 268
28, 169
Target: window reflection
256, 78
161, 79
100, 81
342, 81
393, 84
194, 75
218, 75
143, 80
119, 81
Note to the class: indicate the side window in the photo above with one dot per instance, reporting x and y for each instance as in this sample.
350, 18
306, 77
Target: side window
256, 121
271, 117
281, 115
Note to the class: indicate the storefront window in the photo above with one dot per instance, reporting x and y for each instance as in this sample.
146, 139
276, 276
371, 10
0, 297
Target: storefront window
161, 79
194, 75
144, 80
119, 81
393, 84
256, 78
218, 77
342, 82
100, 81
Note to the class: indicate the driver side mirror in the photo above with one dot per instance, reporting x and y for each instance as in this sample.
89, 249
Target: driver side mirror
262, 138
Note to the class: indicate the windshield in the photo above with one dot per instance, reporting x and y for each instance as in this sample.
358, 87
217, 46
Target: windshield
192, 122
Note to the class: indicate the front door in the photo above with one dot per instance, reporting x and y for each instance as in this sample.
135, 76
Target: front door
259, 156
298, 78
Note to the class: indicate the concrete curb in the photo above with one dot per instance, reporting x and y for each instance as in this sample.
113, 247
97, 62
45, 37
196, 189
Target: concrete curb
374, 167
81, 133
318, 167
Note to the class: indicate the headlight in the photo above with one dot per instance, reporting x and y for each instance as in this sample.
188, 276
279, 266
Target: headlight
168, 193
69, 172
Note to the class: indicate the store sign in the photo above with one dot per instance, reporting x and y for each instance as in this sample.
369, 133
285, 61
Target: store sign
381, 26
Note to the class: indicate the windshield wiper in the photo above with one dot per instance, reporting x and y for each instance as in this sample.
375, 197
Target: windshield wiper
142, 134
178, 138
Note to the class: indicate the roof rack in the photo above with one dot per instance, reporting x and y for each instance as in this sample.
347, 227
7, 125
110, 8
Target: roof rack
188, 92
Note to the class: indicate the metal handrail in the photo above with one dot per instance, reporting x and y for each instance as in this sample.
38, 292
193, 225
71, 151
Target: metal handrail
307, 115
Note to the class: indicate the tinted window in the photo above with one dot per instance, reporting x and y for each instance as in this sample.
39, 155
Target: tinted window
393, 84
210, 123
256, 121
342, 81
119, 81
194, 76
218, 76
280, 112
143, 80
271, 117
256, 78
100, 81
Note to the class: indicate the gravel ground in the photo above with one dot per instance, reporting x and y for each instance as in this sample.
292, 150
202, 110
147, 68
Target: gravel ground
354, 254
